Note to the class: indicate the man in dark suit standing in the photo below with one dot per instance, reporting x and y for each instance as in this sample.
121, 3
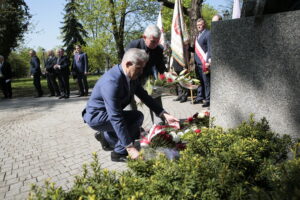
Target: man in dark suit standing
150, 43
80, 68
35, 71
62, 70
202, 63
112, 93
51, 75
5, 78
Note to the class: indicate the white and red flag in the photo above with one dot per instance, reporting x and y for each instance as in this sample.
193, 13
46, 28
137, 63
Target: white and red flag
179, 36
160, 26
236, 11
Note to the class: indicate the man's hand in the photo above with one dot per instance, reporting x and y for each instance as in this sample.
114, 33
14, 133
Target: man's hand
133, 152
171, 120
207, 65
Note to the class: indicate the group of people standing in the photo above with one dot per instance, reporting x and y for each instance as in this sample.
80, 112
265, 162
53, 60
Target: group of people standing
58, 69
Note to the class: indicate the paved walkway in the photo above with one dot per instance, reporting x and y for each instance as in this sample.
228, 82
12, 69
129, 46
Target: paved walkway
46, 138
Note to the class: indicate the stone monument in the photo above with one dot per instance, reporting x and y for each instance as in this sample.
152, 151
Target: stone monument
256, 69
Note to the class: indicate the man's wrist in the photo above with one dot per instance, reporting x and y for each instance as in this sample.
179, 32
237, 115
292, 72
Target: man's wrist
162, 114
130, 145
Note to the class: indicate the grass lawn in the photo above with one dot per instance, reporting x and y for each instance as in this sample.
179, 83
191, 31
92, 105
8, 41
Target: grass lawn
23, 87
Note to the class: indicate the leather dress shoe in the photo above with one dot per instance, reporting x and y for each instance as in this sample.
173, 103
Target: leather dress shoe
80, 95
183, 100
61, 97
206, 104
116, 157
197, 101
177, 99
105, 145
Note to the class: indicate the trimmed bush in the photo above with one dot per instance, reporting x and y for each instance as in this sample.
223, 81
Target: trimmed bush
248, 162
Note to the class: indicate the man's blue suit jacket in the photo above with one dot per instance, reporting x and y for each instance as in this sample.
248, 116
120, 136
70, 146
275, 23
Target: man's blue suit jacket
110, 96
204, 42
81, 65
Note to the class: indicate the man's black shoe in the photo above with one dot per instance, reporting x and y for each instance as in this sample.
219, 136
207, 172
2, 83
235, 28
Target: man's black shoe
105, 145
116, 157
183, 100
206, 104
61, 97
67, 96
38, 96
197, 101
80, 95
177, 99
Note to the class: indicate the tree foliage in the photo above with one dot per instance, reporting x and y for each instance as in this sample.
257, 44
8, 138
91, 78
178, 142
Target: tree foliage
73, 31
120, 20
14, 21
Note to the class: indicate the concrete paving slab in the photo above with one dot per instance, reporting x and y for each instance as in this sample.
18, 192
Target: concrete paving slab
46, 138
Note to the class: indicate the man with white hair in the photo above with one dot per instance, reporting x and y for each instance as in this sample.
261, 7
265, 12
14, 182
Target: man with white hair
150, 43
5, 78
105, 112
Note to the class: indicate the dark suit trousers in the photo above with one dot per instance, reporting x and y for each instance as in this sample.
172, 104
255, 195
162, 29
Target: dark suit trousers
6, 88
133, 119
52, 84
63, 79
37, 84
82, 84
203, 91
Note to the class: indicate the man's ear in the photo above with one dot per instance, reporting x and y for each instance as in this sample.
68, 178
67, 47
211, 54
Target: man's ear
144, 37
128, 64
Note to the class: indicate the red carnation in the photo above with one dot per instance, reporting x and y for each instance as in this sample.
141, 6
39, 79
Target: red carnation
190, 119
163, 132
180, 146
169, 80
197, 131
207, 113
162, 77
167, 137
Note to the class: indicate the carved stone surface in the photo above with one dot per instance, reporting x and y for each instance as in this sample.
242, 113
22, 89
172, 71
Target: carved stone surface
259, 7
256, 69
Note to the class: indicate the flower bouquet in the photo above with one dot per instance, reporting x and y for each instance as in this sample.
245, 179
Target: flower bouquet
168, 139
187, 80
157, 87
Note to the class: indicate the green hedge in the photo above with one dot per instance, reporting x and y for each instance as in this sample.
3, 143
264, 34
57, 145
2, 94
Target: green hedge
248, 162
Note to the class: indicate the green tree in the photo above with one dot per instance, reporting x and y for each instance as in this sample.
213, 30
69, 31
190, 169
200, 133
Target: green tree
73, 32
14, 21
121, 19
19, 61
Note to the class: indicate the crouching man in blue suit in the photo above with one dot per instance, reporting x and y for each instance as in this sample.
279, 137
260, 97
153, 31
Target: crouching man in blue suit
118, 129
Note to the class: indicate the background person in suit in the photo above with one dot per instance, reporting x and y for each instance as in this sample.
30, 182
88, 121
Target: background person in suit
5, 78
112, 93
203, 39
80, 68
62, 70
35, 71
51, 75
